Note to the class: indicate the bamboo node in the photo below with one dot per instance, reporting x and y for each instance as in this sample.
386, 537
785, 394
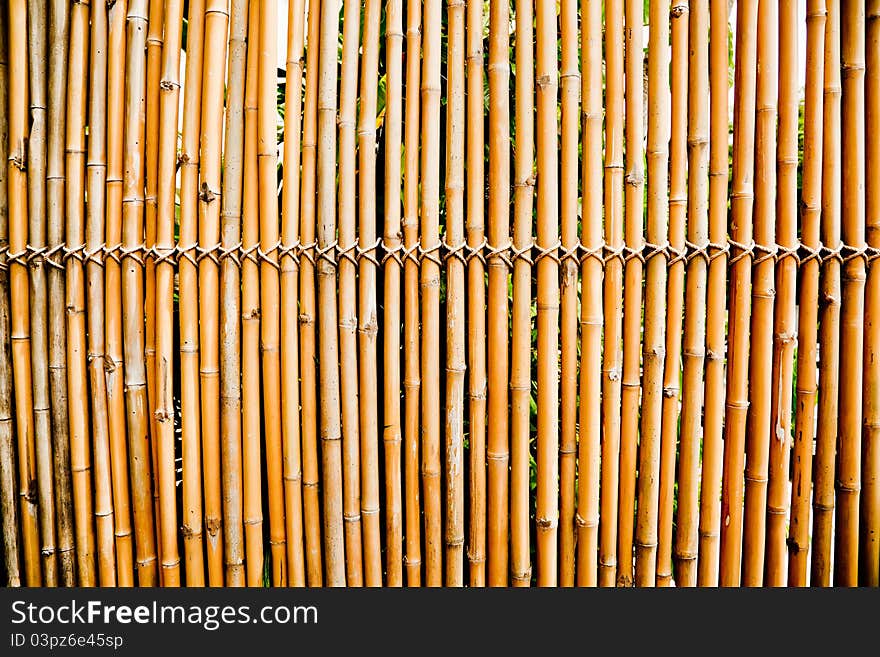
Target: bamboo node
207, 195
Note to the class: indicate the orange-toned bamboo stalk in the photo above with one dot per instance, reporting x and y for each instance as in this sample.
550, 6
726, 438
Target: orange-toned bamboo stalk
849, 423
411, 380
133, 298
829, 310
784, 331
163, 402
757, 432
498, 450
678, 198
613, 291
808, 304
290, 420
589, 448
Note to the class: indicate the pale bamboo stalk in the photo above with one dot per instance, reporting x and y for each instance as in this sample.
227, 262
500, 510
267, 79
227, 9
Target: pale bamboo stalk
77, 404
498, 447
36, 196
589, 448
290, 420
760, 382
392, 243
230, 304
250, 318
716, 328
96, 174
633, 273
678, 200
308, 350
869, 518
133, 299
612, 292
694, 341
784, 331
742, 195
569, 79
808, 303
851, 373
653, 350
411, 380
213, 88
188, 302
58, 39
430, 285
348, 320
163, 401
455, 294
113, 363
829, 310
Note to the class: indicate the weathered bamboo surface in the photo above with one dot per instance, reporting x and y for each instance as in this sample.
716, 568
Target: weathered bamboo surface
444, 293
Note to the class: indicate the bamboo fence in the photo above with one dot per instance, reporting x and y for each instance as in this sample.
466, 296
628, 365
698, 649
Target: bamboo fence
462, 293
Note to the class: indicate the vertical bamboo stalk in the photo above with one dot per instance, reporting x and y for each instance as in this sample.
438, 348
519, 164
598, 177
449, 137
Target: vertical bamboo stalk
653, 351
589, 448
784, 331
58, 40
411, 380
290, 419
163, 401
716, 328
113, 363
829, 309
213, 88
455, 294
760, 341
678, 201
694, 341
36, 196
808, 303
96, 172
613, 291
849, 423
633, 269
498, 450
569, 78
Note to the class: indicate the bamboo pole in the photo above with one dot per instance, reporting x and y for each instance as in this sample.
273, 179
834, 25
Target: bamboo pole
166, 171
411, 377
678, 201
633, 271
290, 420
55, 175
113, 365
308, 352
569, 78
96, 174
589, 448
391, 435
36, 197
250, 318
829, 310
653, 351
849, 422
716, 329
612, 293
784, 331
694, 341
348, 319
869, 518
213, 89
455, 293
808, 306
498, 447
760, 382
